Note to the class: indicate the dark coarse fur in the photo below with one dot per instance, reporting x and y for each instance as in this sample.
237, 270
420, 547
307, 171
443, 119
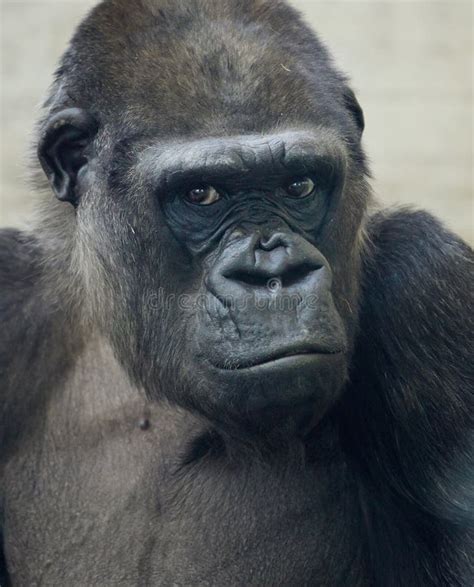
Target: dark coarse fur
127, 456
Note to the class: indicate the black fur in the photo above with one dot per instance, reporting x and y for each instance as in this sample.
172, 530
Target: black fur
127, 457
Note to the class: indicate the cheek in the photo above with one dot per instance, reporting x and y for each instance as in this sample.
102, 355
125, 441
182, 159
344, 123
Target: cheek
346, 287
195, 227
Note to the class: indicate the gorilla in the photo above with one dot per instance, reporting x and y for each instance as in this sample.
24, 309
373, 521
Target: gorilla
221, 363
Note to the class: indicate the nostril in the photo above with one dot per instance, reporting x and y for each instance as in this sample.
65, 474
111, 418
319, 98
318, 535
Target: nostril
296, 274
255, 278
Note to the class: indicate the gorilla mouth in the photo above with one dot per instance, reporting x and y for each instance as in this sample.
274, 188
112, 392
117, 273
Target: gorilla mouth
280, 357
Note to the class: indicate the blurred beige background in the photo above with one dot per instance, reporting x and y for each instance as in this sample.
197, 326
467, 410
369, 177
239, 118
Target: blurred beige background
411, 63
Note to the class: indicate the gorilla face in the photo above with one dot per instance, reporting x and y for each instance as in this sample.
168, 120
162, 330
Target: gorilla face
218, 249
261, 325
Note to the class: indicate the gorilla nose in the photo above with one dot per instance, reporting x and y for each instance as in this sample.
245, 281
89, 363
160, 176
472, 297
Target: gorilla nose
277, 261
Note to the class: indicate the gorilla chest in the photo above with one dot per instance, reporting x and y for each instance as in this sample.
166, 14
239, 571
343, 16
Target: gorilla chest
123, 502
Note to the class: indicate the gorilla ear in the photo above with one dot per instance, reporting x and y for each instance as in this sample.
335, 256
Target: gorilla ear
62, 150
354, 108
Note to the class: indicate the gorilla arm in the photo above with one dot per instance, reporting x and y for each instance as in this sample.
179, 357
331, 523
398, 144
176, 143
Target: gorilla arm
409, 417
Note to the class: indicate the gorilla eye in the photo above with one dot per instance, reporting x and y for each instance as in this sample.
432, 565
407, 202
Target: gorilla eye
203, 195
300, 188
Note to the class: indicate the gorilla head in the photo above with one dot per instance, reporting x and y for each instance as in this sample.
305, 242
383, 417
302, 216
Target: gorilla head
211, 154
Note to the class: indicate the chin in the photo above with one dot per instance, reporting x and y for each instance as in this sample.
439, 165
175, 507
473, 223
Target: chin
248, 392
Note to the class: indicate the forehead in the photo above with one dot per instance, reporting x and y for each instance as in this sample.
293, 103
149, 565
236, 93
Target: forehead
206, 75
221, 88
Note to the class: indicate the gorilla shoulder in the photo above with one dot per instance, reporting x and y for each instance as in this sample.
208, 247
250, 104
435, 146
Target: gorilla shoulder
417, 294
22, 321
20, 269
412, 251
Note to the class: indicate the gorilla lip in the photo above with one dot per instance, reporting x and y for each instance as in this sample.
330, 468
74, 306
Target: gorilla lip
280, 356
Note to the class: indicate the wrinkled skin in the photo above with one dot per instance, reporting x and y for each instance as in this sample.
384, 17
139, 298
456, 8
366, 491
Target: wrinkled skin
216, 368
